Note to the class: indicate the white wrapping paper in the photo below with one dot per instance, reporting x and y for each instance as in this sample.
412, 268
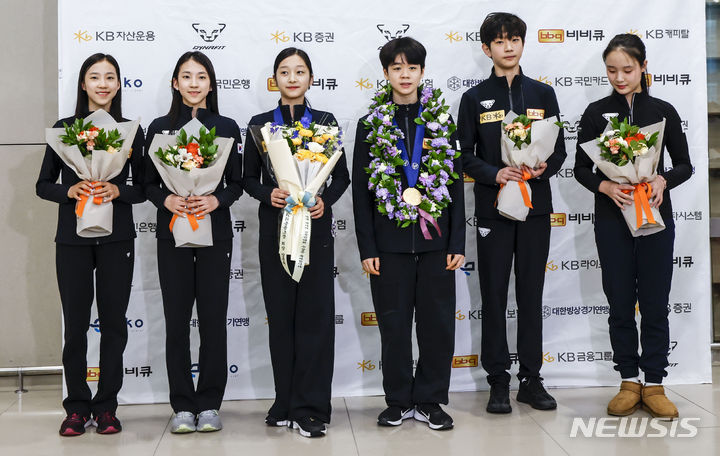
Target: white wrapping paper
196, 182
100, 166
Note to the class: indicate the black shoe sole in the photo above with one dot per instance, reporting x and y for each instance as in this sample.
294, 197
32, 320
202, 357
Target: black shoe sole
499, 410
535, 405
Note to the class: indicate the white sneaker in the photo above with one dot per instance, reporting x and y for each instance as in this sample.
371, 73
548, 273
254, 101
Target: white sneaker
209, 421
182, 423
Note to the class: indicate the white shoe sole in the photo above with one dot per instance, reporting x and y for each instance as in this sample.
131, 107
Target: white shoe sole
208, 428
407, 415
283, 423
183, 429
305, 433
422, 418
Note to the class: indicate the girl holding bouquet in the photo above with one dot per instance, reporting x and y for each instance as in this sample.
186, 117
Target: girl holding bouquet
634, 269
301, 315
97, 267
189, 275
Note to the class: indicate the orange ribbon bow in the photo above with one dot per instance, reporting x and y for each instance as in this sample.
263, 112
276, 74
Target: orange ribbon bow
191, 218
80, 205
641, 195
523, 189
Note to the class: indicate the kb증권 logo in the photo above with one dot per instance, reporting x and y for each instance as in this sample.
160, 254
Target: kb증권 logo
551, 35
368, 319
465, 361
93, 374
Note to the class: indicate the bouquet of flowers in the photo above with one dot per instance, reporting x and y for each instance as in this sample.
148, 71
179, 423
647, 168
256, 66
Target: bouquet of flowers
627, 154
191, 163
190, 153
96, 149
524, 142
302, 156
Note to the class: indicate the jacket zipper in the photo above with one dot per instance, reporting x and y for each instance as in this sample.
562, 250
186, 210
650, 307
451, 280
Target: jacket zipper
409, 149
632, 105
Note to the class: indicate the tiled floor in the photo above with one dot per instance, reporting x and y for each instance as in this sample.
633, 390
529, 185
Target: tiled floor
29, 423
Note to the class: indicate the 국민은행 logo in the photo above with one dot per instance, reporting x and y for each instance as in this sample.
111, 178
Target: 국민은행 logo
551, 35
390, 32
208, 31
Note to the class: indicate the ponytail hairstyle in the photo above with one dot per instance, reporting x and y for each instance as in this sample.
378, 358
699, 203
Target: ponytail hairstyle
633, 46
211, 99
82, 108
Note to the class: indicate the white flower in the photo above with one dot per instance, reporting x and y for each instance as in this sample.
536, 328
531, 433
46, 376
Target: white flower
434, 163
442, 118
111, 150
424, 175
433, 207
183, 155
170, 158
386, 118
382, 167
643, 150
315, 147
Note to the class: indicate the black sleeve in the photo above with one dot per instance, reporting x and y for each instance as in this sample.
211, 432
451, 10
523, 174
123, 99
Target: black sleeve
363, 203
677, 146
555, 161
456, 241
473, 166
47, 187
133, 194
583, 169
152, 181
252, 164
233, 172
340, 178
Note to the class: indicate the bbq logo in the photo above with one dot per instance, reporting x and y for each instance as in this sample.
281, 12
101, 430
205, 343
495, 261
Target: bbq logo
551, 35
208, 31
465, 361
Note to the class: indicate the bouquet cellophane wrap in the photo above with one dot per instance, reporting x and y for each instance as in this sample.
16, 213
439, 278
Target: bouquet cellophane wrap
643, 170
191, 231
302, 181
95, 217
514, 198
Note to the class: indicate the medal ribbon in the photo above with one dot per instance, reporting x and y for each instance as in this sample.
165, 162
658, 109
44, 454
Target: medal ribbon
304, 120
412, 165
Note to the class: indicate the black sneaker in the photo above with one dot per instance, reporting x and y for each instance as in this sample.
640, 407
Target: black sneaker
499, 401
533, 392
309, 426
74, 424
276, 422
394, 415
434, 416
107, 423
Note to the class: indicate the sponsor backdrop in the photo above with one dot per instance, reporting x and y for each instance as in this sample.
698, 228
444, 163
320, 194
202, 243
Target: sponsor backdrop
562, 49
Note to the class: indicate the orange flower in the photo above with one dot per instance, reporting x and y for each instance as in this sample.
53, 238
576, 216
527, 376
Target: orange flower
193, 148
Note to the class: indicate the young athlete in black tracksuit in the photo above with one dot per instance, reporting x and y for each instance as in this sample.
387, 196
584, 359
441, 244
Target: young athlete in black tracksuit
410, 274
301, 315
188, 275
106, 260
634, 269
482, 109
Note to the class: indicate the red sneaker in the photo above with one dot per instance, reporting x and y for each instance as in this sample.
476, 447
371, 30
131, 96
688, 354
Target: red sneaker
107, 423
74, 424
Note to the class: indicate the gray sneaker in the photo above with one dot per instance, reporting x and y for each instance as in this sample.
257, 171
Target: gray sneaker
182, 423
209, 421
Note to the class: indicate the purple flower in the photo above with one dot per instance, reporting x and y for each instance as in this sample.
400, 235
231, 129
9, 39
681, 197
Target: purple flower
443, 174
438, 194
444, 128
426, 94
427, 180
382, 193
437, 142
449, 164
432, 126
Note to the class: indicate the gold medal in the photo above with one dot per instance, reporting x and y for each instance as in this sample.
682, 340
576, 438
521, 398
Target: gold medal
412, 196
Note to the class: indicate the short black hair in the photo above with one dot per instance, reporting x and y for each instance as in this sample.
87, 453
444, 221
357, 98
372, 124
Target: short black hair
497, 25
413, 50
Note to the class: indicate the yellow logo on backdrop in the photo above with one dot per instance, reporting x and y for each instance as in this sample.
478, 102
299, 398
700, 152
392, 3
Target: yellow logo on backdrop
635, 32
467, 179
368, 319
279, 37
551, 35
452, 37
93, 374
82, 35
648, 79
535, 114
459, 315
558, 219
366, 365
272, 85
364, 83
551, 266
492, 116
547, 358
465, 361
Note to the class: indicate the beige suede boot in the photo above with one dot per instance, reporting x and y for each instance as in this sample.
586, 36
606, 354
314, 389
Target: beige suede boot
627, 400
657, 404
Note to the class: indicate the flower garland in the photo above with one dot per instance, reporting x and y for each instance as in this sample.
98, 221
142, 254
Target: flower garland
386, 164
